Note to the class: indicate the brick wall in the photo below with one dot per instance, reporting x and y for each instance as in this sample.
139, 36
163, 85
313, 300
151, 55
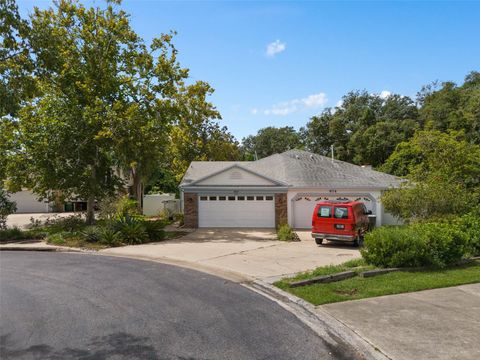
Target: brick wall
190, 210
281, 213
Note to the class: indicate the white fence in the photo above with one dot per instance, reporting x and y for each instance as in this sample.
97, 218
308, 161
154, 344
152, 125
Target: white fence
156, 203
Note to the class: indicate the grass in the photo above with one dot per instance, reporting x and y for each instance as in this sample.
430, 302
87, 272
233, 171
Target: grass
388, 284
357, 265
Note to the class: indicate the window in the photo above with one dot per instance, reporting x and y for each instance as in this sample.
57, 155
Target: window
260, 198
241, 198
203, 198
213, 198
325, 212
250, 198
231, 198
341, 213
269, 198
222, 198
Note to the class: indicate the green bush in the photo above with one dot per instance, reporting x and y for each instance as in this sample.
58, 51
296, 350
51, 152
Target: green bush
11, 234
110, 237
56, 239
126, 206
180, 218
285, 233
470, 225
133, 233
91, 234
423, 244
7, 207
154, 229
70, 224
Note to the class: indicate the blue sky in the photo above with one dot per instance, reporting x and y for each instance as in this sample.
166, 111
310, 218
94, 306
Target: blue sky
318, 51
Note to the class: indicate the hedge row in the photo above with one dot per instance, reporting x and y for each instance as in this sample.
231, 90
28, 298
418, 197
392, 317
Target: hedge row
439, 243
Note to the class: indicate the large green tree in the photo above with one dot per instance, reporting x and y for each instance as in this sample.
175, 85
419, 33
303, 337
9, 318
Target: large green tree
271, 140
447, 106
364, 129
16, 82
106, 104
443, 172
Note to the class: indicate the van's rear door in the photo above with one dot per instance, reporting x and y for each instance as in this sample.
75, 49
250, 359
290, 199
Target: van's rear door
342, 220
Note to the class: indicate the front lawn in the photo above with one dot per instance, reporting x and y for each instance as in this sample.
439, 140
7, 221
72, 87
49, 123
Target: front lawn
391, 283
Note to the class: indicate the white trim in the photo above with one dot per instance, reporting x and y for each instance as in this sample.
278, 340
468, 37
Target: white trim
275, 182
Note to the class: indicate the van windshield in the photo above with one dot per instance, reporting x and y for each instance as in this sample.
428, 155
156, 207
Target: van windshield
341, 213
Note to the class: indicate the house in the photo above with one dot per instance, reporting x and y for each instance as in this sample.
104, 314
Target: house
276, 189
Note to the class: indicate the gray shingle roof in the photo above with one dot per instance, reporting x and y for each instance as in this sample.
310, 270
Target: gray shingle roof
300, 169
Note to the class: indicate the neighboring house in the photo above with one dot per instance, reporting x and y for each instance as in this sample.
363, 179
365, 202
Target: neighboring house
276, 189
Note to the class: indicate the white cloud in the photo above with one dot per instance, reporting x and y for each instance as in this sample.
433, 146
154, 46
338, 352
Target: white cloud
385, 93
339, 103
275, 48
315, 100
288, 107
254, 111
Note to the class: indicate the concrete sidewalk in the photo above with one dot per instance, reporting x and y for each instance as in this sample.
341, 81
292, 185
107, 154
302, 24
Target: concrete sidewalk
431, 324
247, 254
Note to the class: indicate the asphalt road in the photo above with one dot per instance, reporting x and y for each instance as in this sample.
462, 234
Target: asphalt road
77, 306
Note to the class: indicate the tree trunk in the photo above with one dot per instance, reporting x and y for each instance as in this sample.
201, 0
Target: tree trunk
137, 189
90, 213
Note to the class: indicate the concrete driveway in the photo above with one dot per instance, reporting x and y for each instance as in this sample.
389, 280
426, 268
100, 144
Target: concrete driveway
242, 254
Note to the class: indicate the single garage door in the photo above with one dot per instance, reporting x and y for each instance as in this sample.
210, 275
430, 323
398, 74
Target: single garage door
27, 202
236, 211
303, 207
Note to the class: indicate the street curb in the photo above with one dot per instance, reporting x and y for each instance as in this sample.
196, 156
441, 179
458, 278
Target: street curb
43, 249
334, 332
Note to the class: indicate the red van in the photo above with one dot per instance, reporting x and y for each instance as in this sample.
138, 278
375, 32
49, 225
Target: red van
340, 221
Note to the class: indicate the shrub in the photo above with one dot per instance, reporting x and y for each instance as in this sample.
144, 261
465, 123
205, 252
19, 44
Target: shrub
285, 233
109, 237
11, 234
7, 207
154, 229
70, 223
423, 244
126, 206
56, 239
133, 233
107, 208
180, 218
469, 224
91, 234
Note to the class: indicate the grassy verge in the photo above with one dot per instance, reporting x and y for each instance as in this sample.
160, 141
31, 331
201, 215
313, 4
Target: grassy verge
392, 283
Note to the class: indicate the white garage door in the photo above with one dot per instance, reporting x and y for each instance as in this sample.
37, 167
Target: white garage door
27, 202
236, 211
303, 207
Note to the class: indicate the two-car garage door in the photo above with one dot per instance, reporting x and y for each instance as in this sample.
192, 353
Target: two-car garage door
303, 206
240, 210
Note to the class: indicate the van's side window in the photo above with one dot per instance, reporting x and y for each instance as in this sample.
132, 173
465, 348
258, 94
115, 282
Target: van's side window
340, 213
325, 212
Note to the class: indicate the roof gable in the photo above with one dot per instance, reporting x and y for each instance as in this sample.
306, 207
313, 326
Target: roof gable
236, 175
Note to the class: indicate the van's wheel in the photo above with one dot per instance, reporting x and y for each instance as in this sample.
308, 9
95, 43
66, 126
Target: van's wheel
319, 241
